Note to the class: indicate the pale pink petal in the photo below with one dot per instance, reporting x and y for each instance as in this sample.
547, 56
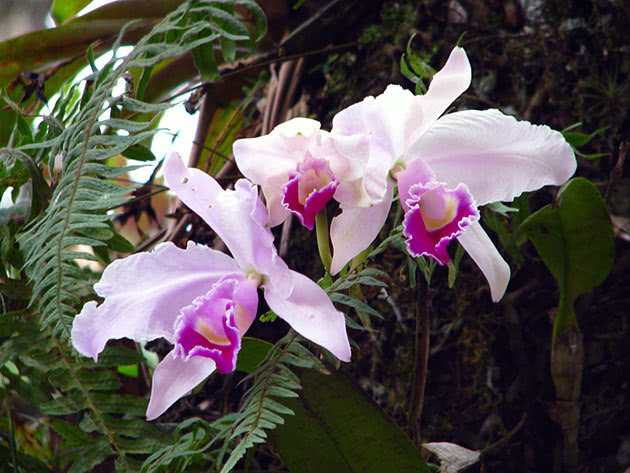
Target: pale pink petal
447, 84
311, 313
278, 152
237, 216
144, 294
173, 378
495, 155
350, 156
355, 228
358, 119
483, 252
272, 189
267, 160
397, 118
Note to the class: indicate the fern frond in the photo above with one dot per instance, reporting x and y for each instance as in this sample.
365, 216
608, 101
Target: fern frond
88, 126
82, 196
274, 378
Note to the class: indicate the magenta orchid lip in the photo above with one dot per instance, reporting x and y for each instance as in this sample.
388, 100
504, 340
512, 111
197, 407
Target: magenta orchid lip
436, 215
309, 189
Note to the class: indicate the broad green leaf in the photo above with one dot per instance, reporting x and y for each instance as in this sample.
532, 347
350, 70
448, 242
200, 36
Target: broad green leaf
63, 10
575, 240
253, 352
338, 427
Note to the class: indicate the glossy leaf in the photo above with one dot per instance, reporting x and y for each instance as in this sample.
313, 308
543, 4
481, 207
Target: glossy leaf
575, 240
253, 352
338, 427
63, 10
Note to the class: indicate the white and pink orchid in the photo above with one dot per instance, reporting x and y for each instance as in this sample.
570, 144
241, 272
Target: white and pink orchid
445, 169
301, 167
202, 300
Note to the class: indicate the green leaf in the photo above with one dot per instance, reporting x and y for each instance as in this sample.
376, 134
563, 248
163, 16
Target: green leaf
577, 139
139, 153
253, 352
228, 49
63, 10
355, 303
206, 62
337, 427
576, 242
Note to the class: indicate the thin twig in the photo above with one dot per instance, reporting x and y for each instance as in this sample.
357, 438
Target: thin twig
617, 172
208, 107
506, 437
421, 362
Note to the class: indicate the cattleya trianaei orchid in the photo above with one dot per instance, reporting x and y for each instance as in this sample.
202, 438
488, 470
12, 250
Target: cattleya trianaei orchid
444, 166
202, 300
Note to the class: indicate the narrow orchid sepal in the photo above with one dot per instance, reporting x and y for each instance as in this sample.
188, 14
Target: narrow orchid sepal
175, 377
355, 228
485, 255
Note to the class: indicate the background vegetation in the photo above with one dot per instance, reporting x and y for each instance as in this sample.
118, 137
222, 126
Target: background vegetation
489, 383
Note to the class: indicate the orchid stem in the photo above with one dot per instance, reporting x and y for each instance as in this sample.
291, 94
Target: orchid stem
420, 363
323, 243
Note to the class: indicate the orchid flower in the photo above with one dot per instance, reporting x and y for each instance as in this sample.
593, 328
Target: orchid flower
301, 167
202, 300
445, 169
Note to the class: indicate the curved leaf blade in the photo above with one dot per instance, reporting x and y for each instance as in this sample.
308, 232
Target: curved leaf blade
338, 427
575, 240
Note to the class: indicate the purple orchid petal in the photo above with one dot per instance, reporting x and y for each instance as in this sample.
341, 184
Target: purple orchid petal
238, 217
173, 378
436, 215
311, 313
213, 325
355, 228
495, 155
144, 294
309, 189
485, 255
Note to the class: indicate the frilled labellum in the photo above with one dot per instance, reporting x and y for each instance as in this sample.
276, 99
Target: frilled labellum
309, 189
436, 215
213, 325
